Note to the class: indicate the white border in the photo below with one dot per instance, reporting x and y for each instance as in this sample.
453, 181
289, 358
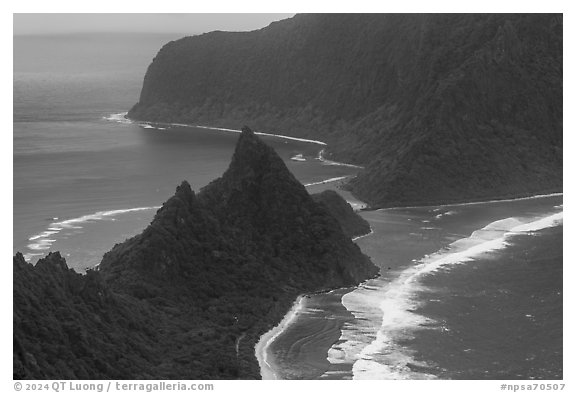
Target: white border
307, 6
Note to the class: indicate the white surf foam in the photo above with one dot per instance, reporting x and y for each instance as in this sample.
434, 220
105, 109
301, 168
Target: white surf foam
446, 213
43, 241
298, 157
356, 205
28, 256
261, 349
361, 236
333, 179
336, 163
121, 118
43, 244
386, 317
45, 234
258, 133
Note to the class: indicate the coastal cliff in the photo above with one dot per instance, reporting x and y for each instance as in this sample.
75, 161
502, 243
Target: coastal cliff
438, 108
189, 297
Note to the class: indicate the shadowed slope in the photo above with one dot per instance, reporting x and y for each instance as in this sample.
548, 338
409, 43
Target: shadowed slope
439, 108
189, 297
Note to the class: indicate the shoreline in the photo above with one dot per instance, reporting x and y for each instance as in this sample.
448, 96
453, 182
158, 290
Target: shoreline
330, 162
495, 238
268, 368
334, 179
265, 362
293, 317
260, 350
472, 202
122, 118
364, 235
41, 243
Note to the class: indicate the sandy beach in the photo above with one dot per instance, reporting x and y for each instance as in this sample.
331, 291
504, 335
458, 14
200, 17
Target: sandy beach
317, 331
267, 362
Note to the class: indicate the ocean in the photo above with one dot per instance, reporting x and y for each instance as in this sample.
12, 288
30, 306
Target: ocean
84, 177
469, 291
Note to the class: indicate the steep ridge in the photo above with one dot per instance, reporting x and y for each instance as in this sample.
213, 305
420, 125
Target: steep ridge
439, 108
352, 224
189, 297
256, 211
70, 326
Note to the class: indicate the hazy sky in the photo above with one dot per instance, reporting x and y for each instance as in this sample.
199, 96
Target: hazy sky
153, 23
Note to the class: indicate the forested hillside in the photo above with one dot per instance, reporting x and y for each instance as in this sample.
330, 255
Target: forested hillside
438, 108
190, 296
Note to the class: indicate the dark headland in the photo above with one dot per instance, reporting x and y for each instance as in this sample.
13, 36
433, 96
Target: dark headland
190, 296
439, 108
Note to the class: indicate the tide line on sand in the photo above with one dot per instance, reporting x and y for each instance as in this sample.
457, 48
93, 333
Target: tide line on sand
261, 349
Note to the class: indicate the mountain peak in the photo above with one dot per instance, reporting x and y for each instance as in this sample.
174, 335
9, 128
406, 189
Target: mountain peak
254, 163
179, 205
247, 131
256, 198
53, 261
184, 190
212, 269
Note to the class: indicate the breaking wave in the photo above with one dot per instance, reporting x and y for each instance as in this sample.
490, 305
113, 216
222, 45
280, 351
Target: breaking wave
385, 311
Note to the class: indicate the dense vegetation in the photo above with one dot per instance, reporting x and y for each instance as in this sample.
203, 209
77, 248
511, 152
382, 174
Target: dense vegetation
437, 107
189, 297
67, 325
352, 224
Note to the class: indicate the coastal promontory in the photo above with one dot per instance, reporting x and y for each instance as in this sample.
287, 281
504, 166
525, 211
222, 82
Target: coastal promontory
439, 108
190, 296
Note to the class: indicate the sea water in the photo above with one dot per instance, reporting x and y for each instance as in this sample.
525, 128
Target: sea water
470, 291
443, 314
85, 177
